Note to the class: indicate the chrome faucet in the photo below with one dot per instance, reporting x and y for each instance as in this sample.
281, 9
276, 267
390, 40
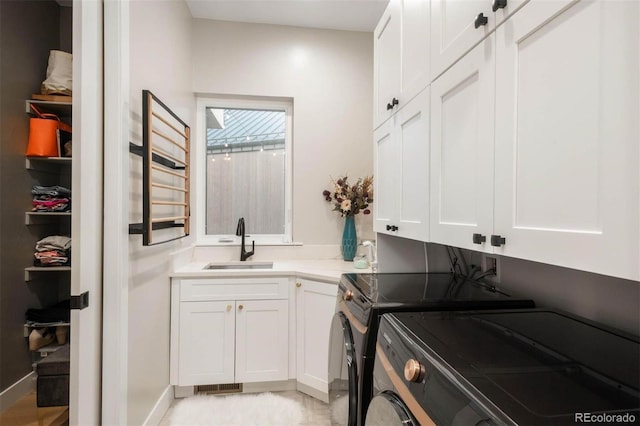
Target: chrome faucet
244, 255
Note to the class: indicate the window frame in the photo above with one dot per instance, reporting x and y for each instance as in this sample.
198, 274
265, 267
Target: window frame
240, 102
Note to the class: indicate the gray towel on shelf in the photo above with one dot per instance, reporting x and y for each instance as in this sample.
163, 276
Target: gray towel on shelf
54, 242
54, 191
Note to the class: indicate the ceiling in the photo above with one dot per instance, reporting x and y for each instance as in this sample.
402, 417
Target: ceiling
350, 15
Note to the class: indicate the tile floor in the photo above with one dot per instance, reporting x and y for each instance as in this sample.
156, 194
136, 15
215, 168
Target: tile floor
316, 412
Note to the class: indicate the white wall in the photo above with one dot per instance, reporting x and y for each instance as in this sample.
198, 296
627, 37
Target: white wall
160, 61
329, 76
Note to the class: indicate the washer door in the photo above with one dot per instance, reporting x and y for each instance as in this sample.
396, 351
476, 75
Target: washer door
343, 373
387, 409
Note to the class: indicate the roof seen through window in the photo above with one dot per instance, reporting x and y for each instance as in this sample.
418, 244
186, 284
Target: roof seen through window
245, 130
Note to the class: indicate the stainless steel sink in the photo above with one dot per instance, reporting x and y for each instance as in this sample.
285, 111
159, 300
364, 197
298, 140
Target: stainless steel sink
240, 265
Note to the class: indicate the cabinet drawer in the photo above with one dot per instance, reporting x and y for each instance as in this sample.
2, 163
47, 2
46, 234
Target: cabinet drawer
234, 289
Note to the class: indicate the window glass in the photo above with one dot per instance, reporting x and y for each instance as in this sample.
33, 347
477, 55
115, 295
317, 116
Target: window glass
246, 172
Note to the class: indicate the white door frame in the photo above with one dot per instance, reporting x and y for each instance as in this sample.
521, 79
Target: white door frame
86, 222
116, 218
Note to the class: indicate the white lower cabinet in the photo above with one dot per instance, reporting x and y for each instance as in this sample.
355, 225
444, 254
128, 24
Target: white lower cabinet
237, 330
207, 343
240, 340
262, 340
315, 306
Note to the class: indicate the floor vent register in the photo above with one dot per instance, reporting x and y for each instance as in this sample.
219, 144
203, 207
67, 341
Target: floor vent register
219, 389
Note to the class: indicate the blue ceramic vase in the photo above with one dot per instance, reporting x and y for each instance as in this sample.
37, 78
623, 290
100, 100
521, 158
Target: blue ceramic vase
349, 239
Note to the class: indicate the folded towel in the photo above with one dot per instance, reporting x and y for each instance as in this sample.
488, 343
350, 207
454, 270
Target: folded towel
54, 242
54, 191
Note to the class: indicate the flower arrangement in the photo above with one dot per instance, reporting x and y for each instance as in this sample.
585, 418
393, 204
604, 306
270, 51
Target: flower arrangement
349, 200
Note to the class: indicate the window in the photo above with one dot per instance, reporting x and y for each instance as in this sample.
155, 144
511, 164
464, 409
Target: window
245, 150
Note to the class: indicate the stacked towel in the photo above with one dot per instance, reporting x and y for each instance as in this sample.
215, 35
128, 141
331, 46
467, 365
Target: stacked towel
51, 198
54, 250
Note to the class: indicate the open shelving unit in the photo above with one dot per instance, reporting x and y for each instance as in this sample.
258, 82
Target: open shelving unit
30, 270
48, 171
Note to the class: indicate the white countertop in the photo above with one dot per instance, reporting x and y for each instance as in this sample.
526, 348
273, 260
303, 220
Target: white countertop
322, 270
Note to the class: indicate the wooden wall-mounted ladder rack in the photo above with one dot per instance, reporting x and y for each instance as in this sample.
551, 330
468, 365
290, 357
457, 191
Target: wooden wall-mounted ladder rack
165, 153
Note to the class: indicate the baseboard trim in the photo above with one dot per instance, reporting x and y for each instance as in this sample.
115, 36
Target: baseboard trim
322, 396
284, 385
13, 393
161, 407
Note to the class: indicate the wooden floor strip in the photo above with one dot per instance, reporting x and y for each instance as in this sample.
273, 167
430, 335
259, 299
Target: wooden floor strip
25, 413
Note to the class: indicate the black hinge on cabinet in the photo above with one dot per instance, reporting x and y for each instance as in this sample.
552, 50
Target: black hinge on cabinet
81, 301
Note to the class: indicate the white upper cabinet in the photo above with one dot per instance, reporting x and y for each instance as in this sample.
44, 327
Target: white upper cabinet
458, 25
401, 56
462, 102
386, 59
567, 135
385, 172
401, 167
416, 28
544, 166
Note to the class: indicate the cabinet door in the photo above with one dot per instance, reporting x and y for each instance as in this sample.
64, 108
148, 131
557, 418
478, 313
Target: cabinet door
510, 7
206, 343
315, 306
386, 60
385, 165
416, 29
401, 167
262, 340
462, 132
453, 32
567, 135
412, 173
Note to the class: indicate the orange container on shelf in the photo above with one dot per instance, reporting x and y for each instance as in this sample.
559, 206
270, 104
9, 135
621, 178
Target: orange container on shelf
44, 134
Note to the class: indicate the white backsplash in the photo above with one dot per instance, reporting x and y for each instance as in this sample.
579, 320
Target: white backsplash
262, 253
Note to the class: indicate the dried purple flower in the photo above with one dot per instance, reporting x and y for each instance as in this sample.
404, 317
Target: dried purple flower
349, 200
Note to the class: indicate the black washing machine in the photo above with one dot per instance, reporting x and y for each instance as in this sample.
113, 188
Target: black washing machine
362, 298
519, 367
